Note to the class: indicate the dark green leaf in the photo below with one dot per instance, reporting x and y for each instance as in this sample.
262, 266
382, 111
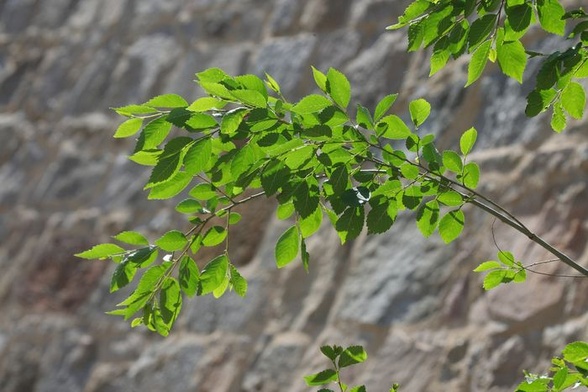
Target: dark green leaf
481, 29
350, 224
310, 224
519, 16
189, 276
170, 301
122, 276
339, 179
274, 176
352, 355
168, 163
381, 217
538, 101
321, 378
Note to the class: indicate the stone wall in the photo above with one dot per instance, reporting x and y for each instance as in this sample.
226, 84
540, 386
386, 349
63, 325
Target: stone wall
65, 185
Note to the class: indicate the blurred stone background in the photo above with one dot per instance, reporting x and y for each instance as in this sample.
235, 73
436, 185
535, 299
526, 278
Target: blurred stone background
65, 184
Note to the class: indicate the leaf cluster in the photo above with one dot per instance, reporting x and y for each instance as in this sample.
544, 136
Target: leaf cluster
493, 30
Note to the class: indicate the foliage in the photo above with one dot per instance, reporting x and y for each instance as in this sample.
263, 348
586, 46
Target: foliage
357, 167
493, 30
340, 358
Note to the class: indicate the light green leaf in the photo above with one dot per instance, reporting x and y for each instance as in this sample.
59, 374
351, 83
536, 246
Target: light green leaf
153, 134
576, 352
488, 265
478, 62
311, 104
507, 258
558, 118
238, 283
271, 83
451, 225
200, 121
452, 161
101, 251
222, 288
363, 118
538, 101
250, 97
493, 279
170, 302
204, 104
287, 246
419, 111
392, 127
172, 240
550, 16
133, 110
285, 211
167, 101
471, 175
450, 198
384, 105
203, 192
131, 238
198, 156
214, 236
232, 119
320, 79
338, 87
573, 100
170, 188
310, 224
128, 127
512, 59
427, 217
213, 274
467, 141
168, 163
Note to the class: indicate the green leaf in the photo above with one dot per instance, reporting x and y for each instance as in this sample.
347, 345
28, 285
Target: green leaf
330, 352
538, 101
451, 225
381, 217
222, 288
419, 111
558, 118
339, 179
488, 265
450, 198
452, 161
238, 282
306, 197
471, 175
203, 192
351, 356
274, 176
167, 101
142, 257
214, 236
512, 59
428, 217
576, 352
384, 105
519, 16
272, 84
363, 118
153, 134
481, 29
350, 223
146, 158
287, 246
204, 104
172, 240
200, 122
312, 103
304, 255
573, 100
478, 62
189, 276
320, 79
198, 156
321, 378
133, 110
507, 258
170, 188
101, 251
213, 75
122, 276
338, 87
493, 279
170, 302
310, 224
467, 141
213, 274
285, 211
250, 97
128, 127
232, 119
551, 13
131, 238
234, 218
392, 127
168, 163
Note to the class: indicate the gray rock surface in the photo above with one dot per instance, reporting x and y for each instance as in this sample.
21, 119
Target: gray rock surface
65, 185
